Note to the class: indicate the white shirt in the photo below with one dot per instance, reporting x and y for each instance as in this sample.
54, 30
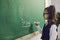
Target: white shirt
53, 32
59, 31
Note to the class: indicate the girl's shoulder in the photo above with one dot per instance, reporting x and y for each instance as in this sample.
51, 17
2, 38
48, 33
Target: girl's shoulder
53, 27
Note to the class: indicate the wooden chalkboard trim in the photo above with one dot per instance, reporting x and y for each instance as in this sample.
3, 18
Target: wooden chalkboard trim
28, 36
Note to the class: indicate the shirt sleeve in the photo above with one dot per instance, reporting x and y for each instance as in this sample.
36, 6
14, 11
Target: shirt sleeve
53, 32
59, 31
39, 28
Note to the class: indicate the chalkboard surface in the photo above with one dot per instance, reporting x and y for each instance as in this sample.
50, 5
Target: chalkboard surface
17, 17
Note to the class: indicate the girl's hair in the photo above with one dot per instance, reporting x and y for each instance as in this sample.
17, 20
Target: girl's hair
51, 11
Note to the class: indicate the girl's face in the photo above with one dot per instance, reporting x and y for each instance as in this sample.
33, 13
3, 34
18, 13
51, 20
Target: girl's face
45, 15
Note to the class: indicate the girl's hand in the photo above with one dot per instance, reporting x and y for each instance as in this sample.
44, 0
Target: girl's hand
36, 23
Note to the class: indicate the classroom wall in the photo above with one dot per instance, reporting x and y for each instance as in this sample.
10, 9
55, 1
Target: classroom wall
57, 2
48, 3
17, 17
53, 2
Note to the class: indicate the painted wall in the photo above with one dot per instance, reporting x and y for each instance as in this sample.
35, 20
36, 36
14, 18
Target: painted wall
48, 3
57, 2
53, 2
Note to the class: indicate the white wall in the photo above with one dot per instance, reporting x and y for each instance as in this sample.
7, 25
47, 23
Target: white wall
53, 2
57, 5
47, 3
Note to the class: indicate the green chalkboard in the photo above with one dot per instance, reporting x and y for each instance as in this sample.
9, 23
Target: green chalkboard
17, 17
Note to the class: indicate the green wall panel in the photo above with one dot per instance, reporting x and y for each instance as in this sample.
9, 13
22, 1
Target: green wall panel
17, 17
